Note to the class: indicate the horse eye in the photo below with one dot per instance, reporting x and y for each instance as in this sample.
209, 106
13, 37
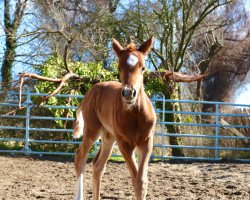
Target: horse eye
143, 69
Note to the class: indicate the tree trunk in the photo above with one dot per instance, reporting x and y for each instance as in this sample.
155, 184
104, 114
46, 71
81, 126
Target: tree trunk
11, 24
8, 59
174, 93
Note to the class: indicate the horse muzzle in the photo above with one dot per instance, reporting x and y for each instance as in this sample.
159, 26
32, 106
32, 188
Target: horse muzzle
128, 94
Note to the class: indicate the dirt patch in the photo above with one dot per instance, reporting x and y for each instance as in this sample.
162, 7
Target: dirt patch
29, 178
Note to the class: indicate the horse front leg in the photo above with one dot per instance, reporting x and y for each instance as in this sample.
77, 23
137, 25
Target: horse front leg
141, 180
127, 151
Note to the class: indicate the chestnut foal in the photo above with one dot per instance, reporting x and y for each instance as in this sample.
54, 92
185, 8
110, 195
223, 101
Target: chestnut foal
121, 113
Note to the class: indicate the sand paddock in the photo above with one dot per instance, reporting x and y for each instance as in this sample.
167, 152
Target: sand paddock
53, 178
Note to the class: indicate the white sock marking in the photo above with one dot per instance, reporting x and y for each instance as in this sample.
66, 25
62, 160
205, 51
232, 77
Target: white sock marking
79, 188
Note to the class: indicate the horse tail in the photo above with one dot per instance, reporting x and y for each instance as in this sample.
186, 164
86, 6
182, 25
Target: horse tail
79, 123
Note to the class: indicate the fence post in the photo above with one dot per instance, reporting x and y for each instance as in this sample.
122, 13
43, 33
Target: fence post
163, 127
217, 131
27, 127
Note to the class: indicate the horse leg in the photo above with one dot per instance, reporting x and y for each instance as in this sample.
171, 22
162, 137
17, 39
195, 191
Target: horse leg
127, 151
99, 162
141, 180
81, 159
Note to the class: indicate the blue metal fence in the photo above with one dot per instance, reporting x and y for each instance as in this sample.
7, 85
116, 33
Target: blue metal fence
217, 129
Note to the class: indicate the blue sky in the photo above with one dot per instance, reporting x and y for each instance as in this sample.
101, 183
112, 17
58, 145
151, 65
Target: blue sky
247, 2
242, 95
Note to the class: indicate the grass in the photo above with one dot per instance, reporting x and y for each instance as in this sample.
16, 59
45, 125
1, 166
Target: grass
11, 145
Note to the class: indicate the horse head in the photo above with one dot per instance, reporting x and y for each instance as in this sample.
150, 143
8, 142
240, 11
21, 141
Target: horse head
131, 68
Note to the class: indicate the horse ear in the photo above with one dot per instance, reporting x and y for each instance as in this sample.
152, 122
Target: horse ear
116, 46
146, 46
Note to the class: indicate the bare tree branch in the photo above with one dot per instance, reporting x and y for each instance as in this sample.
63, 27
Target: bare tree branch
62, 81
177, 76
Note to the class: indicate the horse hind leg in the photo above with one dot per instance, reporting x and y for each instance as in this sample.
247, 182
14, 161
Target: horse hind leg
100, 160
81, 159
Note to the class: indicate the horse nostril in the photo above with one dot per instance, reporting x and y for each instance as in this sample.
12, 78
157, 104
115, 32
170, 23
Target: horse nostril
133, 93
128, 93
123, 92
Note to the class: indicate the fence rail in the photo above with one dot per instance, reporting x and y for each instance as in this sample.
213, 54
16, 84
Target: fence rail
190, 130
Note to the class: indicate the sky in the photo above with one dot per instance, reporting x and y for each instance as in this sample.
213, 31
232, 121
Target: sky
242, 95
247, 3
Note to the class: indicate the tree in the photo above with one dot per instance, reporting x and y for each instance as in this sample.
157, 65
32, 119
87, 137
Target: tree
80, 31
11, 25
77, 29
87, 25
233, 23
228, 70
175, 24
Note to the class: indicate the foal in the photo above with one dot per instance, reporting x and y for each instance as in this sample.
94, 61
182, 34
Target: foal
121, 113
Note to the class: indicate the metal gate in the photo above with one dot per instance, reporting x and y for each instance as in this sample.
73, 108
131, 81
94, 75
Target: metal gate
192, 127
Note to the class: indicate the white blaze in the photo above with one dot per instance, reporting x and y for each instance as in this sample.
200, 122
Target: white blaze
132, 60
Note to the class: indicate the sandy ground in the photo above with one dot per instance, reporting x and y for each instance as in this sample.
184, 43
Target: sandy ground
28, 178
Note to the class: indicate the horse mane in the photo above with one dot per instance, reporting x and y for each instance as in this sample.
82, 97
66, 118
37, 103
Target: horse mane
131, 47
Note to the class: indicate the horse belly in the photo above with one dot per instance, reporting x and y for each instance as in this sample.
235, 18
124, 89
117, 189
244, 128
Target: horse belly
108, 127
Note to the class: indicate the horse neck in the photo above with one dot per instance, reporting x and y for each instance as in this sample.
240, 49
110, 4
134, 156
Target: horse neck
142, 102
